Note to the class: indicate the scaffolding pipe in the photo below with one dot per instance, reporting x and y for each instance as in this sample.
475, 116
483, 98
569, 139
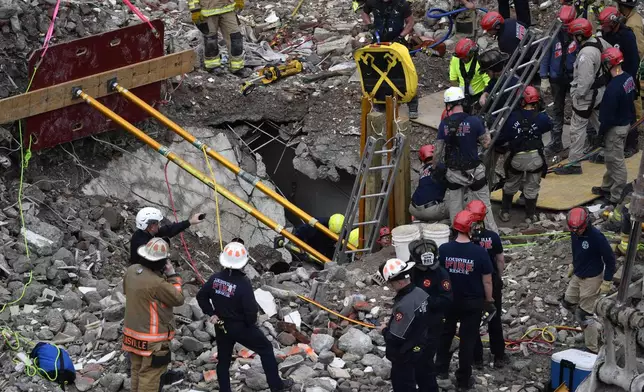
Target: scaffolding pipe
251, 179
163, 150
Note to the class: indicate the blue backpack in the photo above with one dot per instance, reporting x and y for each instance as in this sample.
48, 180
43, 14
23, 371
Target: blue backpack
53, 363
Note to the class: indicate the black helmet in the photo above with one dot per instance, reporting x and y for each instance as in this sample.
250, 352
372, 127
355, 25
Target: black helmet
492, 58
627, 3
424, 252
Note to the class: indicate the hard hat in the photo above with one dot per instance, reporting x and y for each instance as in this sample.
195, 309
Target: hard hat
453, 94
491, 58
530, 95
354, 237
146, 216
465, 47
234, 256
491, 20
463, 222
567, 14
156, 249
385, 231
580, 26
426, 151
395, 269
612, 57
335, 223
578, 220
627, 3
478, 210
609, 17
424, 252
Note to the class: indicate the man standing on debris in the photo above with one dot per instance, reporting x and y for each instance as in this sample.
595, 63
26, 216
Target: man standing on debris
456, 145
228, 298
152, 288
491, 242
556, 74
427, 202
526, 164
147, 225
430, 276
317, 239
586, 91
465, 72
470, 271
406, 333
592, 260
616, 113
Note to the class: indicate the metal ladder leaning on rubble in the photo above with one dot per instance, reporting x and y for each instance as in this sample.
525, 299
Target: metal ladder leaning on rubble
386, 161
495, 112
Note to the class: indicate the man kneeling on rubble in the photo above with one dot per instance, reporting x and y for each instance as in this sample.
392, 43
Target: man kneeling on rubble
427, 201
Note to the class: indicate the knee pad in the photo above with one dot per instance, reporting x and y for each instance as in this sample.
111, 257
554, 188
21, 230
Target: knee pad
236, 44
582, 317
566, 304
211, 46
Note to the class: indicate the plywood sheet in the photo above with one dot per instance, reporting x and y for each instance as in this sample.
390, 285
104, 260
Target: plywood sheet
430, 108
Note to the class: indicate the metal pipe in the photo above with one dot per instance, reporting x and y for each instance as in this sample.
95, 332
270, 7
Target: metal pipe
78, 93
251, 179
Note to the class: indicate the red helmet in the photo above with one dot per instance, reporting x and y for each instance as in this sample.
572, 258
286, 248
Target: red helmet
491, 21
530, 95
478, 209
465, 47
612, 57
609, 17
463, 221
578, 220
426, 151
567, 14
384, 231
580, 26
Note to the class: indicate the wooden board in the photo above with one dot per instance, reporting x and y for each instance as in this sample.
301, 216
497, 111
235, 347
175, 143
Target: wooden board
430, 108
561, 193
60, 95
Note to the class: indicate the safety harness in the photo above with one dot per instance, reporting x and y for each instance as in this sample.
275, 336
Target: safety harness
454, 160
468, 76
601, 80
526, 140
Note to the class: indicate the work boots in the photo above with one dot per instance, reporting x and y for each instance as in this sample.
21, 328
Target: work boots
506, 205
531, 210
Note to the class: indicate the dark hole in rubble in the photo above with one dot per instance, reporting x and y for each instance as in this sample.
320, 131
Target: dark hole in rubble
279, 268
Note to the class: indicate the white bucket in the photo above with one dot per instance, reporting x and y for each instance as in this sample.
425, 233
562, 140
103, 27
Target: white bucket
435, 231
401, 237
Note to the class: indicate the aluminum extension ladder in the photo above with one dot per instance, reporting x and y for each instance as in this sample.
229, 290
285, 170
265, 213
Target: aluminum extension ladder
386, 161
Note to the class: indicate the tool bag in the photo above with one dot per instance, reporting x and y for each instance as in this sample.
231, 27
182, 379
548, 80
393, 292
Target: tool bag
53, 363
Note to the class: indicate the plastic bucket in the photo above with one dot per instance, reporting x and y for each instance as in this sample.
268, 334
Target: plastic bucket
401, 237
435, 231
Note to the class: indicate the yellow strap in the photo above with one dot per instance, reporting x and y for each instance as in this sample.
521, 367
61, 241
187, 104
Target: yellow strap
212, 175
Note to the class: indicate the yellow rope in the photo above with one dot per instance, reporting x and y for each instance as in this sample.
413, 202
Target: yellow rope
212, 175
24, 290
309, 300
34, 369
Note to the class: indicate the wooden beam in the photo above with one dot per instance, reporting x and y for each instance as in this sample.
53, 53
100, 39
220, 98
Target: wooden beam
60, 95
402, 186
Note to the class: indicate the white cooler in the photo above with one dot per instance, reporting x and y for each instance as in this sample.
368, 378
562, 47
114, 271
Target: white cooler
571, 367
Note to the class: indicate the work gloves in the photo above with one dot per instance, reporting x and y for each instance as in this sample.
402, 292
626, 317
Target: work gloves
489, 307
545, 85
196, 16
168, 269
571, 270
239, 5
606, 286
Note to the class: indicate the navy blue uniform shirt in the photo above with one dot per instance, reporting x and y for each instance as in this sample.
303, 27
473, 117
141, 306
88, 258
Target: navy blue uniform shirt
553, 65
428, 189
617, 107
625, 39
512, 131
408, 324
141, 237
229, 295
466, 263
437, 285
504, 96
388, 17
491, 242
592, 254
315, 238
467, 136
510, 35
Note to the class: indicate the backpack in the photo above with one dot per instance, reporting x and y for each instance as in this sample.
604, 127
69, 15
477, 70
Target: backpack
53, 363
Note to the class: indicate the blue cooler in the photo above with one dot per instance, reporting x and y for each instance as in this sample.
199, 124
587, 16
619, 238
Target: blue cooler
570, 367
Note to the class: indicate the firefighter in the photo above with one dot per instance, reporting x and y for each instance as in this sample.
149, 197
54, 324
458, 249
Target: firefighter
152, 288
147, 225
228, 298
492, 62
456, 145
556, 73
586, 90
465, 72
434, 279
616, 113
526, 164
470, 271
427, 202
491, 242
591, 271
318, 240
406, 333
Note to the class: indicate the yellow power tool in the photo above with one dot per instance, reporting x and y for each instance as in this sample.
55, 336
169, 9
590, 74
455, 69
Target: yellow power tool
270, 74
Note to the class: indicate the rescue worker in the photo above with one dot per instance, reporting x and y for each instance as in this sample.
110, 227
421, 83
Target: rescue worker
147, 225
591, 271
465, 72
228, 298
586, 90
616, 113
491, 242
434, 279
521, 7
317, 239
406, 332
456, 145
556, 74
616, 33
470, 271
427, 202
492, 62
152, 288
526, 164
393, 21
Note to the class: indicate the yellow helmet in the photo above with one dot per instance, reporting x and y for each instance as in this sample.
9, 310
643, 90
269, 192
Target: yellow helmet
335, 223
354, 237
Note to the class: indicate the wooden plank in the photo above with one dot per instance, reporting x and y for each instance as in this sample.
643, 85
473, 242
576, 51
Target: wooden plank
389, 126
366, 108
402, 186
60, 95
375, 128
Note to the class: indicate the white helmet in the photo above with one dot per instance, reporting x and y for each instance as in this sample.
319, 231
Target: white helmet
395, 268
148, 214
234, 256
453, 94
156, 249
